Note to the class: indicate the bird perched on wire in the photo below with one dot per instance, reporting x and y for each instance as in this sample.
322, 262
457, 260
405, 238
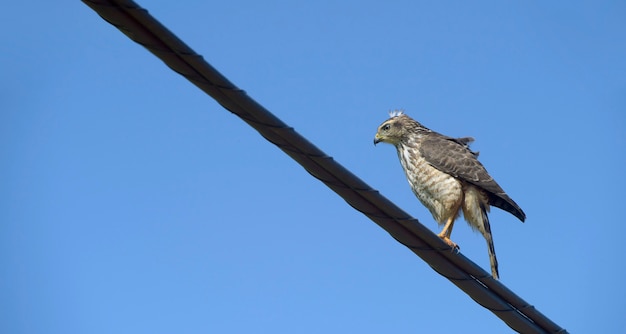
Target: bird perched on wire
447, 178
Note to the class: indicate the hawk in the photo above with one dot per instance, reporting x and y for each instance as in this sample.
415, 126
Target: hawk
447, 178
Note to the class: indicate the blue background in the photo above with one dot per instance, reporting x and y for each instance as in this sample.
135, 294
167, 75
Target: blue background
131, 202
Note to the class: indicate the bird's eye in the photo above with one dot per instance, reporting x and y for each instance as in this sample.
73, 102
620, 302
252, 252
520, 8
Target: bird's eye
386, 127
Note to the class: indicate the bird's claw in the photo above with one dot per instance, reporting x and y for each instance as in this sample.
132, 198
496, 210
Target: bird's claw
452, 244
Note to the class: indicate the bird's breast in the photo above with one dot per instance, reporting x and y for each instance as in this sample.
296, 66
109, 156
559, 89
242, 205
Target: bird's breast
439, 192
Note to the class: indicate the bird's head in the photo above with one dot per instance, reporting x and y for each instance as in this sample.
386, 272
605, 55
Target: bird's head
396, 129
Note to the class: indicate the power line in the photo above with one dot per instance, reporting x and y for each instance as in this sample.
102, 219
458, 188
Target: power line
141, 27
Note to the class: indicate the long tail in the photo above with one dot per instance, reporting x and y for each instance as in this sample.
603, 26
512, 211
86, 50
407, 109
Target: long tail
492, 251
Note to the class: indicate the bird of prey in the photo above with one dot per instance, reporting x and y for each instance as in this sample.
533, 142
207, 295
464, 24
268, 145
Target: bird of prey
447, 178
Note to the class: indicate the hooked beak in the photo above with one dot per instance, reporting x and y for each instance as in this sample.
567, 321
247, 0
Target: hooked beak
377, 139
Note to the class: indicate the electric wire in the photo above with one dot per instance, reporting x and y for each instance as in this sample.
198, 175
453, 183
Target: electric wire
142, 28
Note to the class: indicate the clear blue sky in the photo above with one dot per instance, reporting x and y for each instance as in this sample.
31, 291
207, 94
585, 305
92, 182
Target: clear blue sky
130, 202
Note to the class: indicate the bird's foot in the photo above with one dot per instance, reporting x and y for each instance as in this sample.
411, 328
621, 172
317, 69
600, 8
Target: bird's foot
450, 243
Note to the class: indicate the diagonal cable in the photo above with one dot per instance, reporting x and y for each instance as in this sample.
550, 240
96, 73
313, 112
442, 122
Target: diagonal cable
141, 27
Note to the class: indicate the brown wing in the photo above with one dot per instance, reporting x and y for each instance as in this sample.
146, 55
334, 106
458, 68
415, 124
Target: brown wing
466, 141
453, 156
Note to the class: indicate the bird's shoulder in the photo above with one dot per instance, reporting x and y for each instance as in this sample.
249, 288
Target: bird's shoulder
452, 156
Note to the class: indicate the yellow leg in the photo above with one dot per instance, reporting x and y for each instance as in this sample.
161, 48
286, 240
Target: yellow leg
446, 232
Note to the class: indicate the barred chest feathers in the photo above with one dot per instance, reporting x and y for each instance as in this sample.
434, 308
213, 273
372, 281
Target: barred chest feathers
439, 192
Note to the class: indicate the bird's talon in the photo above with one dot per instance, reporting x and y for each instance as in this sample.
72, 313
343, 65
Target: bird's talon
450, 243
